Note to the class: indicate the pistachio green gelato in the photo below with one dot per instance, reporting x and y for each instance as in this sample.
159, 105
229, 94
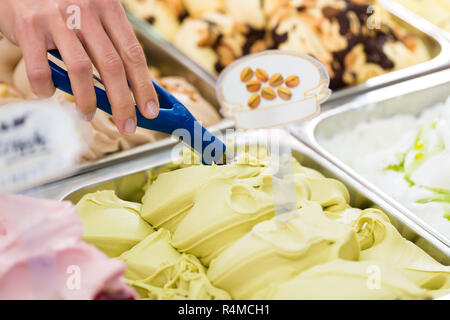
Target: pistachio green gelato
218, 238
158, 271
111, 224
341, 279
278, 249
220, 204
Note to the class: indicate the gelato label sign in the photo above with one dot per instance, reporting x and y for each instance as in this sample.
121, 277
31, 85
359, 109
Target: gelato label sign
39, 141
272, 88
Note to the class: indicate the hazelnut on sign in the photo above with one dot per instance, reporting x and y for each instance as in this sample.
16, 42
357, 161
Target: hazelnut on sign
254, 101
276, 80
268, 93
284, 93
261, 75
246, 74
292, 81
253, 85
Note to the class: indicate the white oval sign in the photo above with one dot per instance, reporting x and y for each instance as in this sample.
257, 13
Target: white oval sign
272, 88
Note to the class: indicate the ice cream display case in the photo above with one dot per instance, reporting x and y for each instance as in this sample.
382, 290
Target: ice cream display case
396, 140
358, 56
350, 203
343, 198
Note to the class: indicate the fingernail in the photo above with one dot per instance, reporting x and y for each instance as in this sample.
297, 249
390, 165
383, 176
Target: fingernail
151, 109
130, 126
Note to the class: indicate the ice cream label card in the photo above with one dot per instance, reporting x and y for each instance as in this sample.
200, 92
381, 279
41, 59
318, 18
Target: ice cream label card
39, 141
272, 88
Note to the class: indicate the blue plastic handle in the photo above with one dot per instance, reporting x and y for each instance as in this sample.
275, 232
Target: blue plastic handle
173, 117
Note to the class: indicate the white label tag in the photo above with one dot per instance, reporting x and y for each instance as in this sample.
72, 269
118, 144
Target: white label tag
272, 88
39, 141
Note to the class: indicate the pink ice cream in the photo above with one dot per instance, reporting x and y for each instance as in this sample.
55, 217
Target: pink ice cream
42, 255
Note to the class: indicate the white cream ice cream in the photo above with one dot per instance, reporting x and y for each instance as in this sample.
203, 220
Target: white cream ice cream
413, 168
241, 195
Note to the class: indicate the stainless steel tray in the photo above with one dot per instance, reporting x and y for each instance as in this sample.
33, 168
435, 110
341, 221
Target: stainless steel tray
410, 97
434, 38
170, 64
128, 178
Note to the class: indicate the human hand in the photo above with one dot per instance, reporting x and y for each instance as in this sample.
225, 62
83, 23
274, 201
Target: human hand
104, 38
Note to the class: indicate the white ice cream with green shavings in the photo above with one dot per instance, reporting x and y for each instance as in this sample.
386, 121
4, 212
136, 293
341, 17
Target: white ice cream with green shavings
405, 156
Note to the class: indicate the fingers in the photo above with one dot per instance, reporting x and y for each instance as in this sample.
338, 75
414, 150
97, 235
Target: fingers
79, 67
118, 28
109, 64
34, 51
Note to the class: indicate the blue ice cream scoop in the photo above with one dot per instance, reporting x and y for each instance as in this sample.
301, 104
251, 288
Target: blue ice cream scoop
172, 119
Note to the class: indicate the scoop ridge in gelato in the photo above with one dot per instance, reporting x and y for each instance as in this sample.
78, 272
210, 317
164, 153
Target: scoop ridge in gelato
159, 271
280, 248
223, 203
111, 224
